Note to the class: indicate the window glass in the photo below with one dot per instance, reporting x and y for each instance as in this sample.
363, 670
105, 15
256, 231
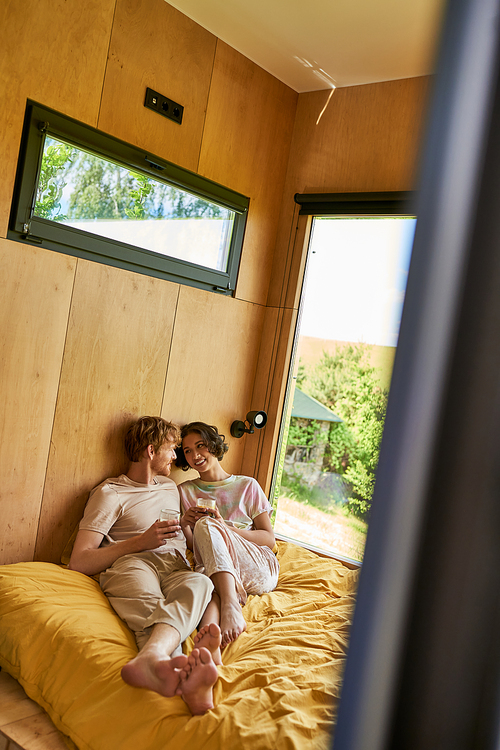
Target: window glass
84, 191
350, 315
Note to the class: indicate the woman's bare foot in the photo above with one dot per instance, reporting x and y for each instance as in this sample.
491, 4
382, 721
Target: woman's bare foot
232, 622
209, 636
197, 680
159, 674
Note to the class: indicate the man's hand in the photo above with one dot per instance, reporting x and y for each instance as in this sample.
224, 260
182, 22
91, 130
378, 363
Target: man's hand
159, 533
90, 558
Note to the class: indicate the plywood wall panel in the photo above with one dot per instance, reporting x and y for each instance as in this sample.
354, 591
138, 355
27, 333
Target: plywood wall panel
259, 459
246, 146
34, 305
272, 371
252, 444
366, 139
54, 52
213, 362
363, 138
154, 46
114, 368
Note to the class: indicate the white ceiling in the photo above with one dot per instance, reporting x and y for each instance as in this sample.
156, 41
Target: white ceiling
317, 44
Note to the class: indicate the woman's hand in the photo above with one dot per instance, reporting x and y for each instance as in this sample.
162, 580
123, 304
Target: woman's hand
262, 532
195, 512
203, 512
189, 518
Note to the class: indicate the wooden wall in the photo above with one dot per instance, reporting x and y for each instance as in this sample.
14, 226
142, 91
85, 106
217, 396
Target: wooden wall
86, 348
360, 138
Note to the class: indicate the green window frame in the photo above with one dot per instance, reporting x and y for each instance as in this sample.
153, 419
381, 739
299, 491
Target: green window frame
25, 226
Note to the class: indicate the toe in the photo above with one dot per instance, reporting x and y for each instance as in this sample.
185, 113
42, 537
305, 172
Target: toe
205, 656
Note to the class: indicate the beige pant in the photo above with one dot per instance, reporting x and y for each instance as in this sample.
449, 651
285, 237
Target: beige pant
218, 548
148, 588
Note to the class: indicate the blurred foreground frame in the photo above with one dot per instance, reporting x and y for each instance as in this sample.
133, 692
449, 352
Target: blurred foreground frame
423, 668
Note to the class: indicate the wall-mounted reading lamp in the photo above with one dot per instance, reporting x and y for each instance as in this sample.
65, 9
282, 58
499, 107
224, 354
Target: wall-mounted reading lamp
256, 419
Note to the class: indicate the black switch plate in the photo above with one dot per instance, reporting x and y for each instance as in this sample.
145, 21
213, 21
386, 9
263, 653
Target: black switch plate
164, 106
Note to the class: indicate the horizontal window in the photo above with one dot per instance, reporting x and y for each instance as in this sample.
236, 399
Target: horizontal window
82, 192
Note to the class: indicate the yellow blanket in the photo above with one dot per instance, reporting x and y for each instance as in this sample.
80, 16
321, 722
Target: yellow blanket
278, 688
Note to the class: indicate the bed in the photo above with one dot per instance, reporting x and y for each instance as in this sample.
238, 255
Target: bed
279, 686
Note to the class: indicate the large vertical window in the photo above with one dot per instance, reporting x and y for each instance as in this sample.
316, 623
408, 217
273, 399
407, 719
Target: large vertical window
346, 339
82, 192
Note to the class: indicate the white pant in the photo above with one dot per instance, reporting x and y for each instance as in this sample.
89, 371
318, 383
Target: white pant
218, 548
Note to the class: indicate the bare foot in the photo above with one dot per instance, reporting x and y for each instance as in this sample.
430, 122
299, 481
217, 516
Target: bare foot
232, 622
209, 636
197, 680
159, 674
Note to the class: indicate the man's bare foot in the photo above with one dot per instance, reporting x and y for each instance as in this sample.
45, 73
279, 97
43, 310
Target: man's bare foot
209, 636
197, 680
232, 622
159, 674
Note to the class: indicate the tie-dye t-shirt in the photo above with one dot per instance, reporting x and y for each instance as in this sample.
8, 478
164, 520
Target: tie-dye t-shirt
239, 499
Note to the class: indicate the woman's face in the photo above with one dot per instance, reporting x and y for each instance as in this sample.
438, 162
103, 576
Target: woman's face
197, 454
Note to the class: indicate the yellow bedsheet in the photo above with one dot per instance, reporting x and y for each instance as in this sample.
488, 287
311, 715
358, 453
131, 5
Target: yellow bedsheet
278, 688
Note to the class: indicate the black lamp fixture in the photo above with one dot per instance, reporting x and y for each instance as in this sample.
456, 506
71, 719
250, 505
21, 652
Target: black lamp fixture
255, 419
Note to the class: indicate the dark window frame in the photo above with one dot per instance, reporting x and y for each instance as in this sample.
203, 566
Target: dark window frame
387, 204
27, 228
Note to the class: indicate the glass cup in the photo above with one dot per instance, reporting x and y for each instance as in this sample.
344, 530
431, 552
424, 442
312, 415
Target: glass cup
170, 515
206, 503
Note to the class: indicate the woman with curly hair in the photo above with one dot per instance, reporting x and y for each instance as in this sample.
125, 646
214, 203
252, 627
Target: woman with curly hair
233, 542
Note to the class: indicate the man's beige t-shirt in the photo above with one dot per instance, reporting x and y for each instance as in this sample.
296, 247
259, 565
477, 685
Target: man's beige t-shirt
120, 509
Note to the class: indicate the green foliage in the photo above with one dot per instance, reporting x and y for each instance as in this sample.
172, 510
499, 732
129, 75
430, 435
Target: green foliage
346, 383
185, 205
139, 197
295, 489
301, 374
302, 432
103, 190
51, 182
106, 191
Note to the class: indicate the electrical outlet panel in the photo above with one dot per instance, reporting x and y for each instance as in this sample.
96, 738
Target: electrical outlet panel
164, 106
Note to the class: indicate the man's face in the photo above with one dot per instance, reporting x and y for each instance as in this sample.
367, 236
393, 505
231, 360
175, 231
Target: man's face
163, 458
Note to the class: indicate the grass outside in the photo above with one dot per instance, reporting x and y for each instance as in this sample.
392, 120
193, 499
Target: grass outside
334, 531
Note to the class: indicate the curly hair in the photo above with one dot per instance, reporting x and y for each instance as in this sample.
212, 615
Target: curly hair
146, 431
210, 435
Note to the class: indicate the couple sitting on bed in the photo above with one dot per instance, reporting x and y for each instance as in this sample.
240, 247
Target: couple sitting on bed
142, 563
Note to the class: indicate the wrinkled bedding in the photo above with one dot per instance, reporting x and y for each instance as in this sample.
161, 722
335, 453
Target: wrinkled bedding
279, 686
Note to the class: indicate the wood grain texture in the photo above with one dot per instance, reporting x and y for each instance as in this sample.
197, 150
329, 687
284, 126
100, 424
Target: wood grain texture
274, 357
213, 363
362, 138
367, 139
246, 146
269, 344
54, 52
286, 320
23, 723
155, 46
36, 293
113, 371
